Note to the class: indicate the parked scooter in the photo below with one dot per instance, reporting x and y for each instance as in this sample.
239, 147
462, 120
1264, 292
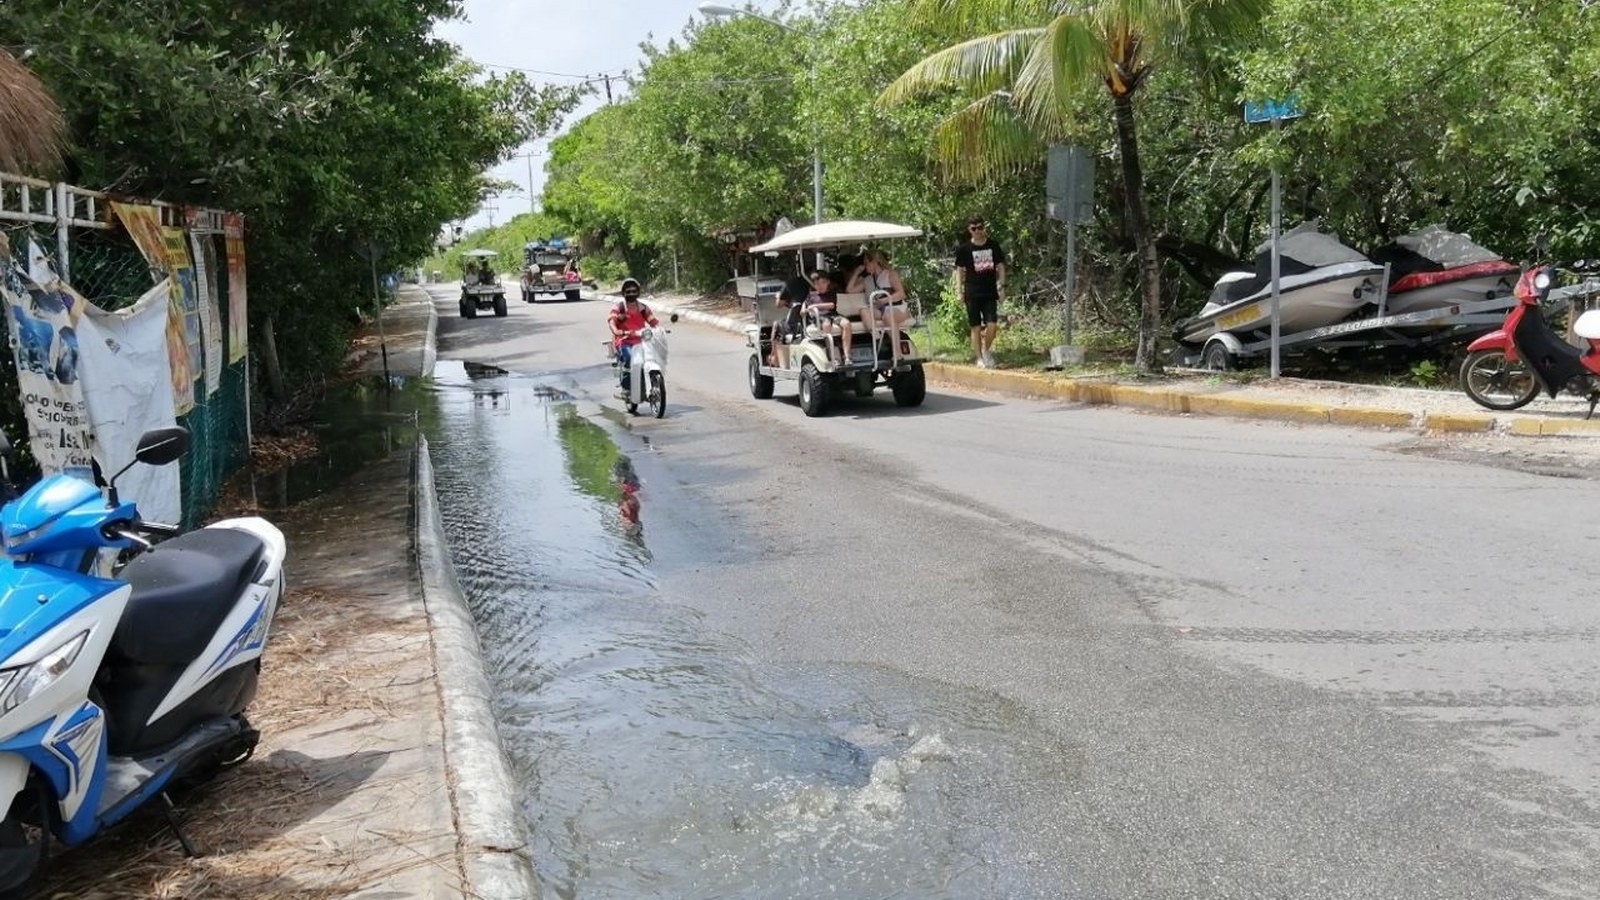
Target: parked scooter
1506, 369
115, 689
647, 372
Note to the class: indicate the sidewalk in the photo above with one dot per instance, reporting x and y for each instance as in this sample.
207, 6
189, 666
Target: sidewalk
1235, 395
379, 773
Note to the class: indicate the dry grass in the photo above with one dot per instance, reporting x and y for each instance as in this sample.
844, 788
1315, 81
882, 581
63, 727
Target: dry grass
32, 130
245, 823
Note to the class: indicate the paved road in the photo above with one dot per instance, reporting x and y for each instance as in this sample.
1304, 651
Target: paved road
1265, 660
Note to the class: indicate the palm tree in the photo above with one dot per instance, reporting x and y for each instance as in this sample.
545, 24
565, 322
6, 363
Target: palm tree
32, 129
1024, 83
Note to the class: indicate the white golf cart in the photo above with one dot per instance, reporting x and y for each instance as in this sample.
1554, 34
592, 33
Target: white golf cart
812, 355
480, 285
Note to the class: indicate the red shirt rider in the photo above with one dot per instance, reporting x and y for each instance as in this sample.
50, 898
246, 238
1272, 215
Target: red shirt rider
630, 316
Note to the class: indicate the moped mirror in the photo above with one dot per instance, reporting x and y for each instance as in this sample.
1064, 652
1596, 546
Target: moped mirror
160, 446
673, 317
1541, 243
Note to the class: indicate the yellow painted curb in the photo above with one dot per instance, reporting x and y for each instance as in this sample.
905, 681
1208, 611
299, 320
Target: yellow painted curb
1258, 409
1530, 427
1371, 418
1452, 422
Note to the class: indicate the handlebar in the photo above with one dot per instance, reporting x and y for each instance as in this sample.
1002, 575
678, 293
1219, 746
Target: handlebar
134, 532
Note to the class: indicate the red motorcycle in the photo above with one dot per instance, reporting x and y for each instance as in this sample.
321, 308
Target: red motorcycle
1506, 369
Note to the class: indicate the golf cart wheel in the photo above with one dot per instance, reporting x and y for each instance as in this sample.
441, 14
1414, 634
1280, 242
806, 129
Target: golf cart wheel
657, 396
1218, 358
910, 387
1494, 382
574, 295
468, 310
25, 841
500, 305
814, 390
760, 385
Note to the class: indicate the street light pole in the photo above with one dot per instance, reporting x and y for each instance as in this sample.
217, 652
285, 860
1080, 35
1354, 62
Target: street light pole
718, 11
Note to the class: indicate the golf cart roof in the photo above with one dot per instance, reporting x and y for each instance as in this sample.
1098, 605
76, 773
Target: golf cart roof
829, 234
478, 254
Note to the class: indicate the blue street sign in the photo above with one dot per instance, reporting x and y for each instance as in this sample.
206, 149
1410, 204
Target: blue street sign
1268, 110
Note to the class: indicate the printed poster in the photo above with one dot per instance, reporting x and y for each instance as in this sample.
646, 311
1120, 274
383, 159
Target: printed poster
126, 375
143, 223
44, 341
238, 322
144, 226
205, 271
185, 299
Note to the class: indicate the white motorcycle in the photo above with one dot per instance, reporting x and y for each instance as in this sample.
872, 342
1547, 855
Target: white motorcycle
647, 371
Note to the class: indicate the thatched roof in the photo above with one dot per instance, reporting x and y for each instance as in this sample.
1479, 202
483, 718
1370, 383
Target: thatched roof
32, 129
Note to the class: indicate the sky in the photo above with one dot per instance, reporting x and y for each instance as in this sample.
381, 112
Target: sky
574, 40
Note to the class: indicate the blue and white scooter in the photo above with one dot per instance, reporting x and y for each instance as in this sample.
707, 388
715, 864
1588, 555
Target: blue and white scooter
117, 684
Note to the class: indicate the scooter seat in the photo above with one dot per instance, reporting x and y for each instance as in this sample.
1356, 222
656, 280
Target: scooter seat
1588, 325
182, 591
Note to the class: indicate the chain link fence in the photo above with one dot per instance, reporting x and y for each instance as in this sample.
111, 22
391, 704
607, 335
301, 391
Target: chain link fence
106, 267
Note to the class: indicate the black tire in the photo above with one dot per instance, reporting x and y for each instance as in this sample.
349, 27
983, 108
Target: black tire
466, 309
500, 305
1218, 358
1494, 382
910, 387
470, 310
657, 394
25, 841
761, 386
574, 295
815, 391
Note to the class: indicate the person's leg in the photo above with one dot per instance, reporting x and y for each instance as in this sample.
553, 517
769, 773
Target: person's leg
975, 325
624, 368
845, 335
897, 317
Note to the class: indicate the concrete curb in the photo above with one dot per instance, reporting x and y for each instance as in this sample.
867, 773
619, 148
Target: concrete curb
491, 839
1100, 393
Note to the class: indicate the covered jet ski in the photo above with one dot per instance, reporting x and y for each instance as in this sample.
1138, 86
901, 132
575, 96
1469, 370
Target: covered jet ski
1435, 267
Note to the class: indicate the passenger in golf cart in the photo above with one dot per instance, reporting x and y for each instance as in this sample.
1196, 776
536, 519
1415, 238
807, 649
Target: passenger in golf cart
814, 311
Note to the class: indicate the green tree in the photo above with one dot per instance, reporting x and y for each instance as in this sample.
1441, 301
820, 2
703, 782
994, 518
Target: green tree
1024, 84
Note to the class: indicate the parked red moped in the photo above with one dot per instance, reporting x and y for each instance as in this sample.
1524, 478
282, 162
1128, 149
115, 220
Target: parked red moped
1506, 369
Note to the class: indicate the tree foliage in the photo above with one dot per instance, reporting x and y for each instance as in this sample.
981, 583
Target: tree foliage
328, 125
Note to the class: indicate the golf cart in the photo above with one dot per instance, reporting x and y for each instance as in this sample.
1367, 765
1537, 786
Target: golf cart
813, 356
549, 269
480, 285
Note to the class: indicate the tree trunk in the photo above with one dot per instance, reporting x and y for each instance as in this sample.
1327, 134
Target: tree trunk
1145, 359
269, 360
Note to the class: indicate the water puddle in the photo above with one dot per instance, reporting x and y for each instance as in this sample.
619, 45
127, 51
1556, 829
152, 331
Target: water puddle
660, 759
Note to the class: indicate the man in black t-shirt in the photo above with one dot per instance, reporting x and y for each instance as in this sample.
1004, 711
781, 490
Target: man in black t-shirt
980, 282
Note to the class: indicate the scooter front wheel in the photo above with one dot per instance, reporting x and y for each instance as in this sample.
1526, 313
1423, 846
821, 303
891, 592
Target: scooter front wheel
1495, 382
658, 394
25, 841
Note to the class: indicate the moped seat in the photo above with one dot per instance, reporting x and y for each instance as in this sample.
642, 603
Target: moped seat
1588, 325
182, 590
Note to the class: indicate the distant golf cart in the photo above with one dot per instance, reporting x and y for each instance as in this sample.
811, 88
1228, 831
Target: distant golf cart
549, 269
480, 285
812, 356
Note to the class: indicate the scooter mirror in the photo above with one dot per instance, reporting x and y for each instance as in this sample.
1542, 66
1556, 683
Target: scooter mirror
160, 446
673, 317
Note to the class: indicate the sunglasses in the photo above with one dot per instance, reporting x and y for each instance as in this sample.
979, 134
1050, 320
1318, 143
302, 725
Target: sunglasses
977, 228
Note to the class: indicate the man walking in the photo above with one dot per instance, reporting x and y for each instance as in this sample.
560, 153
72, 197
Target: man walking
980, 280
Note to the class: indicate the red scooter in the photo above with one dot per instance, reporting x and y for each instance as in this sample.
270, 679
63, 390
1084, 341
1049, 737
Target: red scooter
1506, 369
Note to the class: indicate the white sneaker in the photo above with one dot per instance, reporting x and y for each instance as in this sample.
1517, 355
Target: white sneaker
981, 363
988, 360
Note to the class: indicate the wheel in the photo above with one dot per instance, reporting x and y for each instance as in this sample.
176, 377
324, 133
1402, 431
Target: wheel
469, 309
815, 390
574, 295
760, 385
909, 387
1218, 358
1495, 382
465, 306
500, 305
657, 394
25, 841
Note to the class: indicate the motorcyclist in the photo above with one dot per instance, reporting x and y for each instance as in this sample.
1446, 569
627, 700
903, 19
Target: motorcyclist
627, 319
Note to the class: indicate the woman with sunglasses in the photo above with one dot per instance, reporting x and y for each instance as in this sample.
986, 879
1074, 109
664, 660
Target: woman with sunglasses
888, 311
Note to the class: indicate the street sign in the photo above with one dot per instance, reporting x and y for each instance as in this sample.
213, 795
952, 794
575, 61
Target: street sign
1257, 111
1069, 185
371, 251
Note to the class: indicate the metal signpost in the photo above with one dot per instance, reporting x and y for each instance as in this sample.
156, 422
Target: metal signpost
371, 251
1069, 198
1274, 111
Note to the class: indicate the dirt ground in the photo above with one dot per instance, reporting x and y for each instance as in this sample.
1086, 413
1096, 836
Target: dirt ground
346, 795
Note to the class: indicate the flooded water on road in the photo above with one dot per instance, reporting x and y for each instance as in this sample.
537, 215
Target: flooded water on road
662, 760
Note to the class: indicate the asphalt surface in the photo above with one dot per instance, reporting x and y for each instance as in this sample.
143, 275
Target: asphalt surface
1264, 660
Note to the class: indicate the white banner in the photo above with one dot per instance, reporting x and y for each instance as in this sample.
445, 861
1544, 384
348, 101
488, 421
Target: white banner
43, 316
127, 382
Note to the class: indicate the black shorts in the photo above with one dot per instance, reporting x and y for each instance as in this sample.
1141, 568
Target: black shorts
983, 312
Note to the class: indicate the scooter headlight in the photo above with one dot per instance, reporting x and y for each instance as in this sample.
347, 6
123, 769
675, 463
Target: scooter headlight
20, 684
1541, 281
16, 541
